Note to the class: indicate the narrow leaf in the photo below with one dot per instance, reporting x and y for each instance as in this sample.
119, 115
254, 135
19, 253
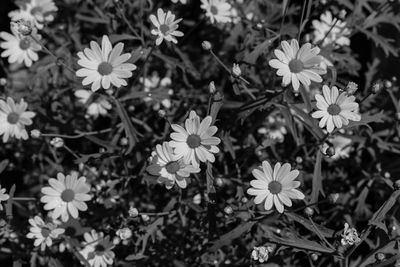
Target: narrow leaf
317, 179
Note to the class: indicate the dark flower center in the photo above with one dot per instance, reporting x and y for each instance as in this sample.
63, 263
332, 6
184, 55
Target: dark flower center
193, 141
296, 66
24, 43
99, 249
13, 118
45, 232
68, 195
164, 29
172, 167
275, 187
213, 10
105, 68
334, 109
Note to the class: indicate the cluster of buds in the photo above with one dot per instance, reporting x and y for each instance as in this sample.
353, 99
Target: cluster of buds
261, 254
349, 236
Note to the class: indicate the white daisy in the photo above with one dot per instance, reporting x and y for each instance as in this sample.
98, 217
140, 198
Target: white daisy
20, 48
219, 11
195, 142
170, 167
43, 233
104, 66
166, 26
275, 187
66, 196
297, 65
98, 105
38, 12
3, 196
335, 110
13, 118
98, 249
338, 35
349, 236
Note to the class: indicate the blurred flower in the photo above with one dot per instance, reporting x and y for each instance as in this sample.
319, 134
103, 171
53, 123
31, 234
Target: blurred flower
261, 254
342, 146
276, 187
335, 110
170, 167
3, 196
133, 212
97, 107
197, 199
166, 26
43, 233
297, 65
35, 133
351, 88
206, 45
104, 66
349, 236
217, 10
124, 233
145, 217
98, 249
19, 48
38, 12
66, 196
57, 142
181, 1
338, 33
195, 142
13, 118
274, 127
236, 70
158, 91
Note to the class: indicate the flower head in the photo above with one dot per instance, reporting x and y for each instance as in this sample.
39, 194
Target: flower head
297, 65
3, 196
349, 236
277, 187
38, 12
98, 249
43, 233
219, 11
124, 233
335, 30
66, 195
341, 145
104, 66
261, 254
166, 27
334, 109
98, 105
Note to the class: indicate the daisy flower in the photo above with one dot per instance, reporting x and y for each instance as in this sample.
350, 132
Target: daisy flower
104, 66
98, 250
66, 195
38, 12
335, 110
170, 167
337, 35
297, 65
166, 27
349, 236
98, 105
43, 233
275, 187
20, 48
3, 196
195, 142
13, 118
219, 11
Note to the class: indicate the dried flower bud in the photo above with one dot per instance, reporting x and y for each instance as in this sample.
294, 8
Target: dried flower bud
342, 14
145, 217
333, 197
206, 45
35, 133
351, 88
228, 210
397, 185
260, 254
124, 233
22, 26
133, 212
309, 211
380, 256
236, 71
376, 87
349, 236
162, 113
212, 88
57, 142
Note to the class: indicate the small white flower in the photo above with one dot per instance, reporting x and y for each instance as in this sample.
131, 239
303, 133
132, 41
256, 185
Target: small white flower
166, 27
104, 66
206, 45
181, 1
124, 233
335, 110
219, 11
3, 196
43, 233
66, 196
337, 34
98, 249
98, 106
14, 118
349, 236
133, 212
275, 187
38, 12
195, 142
236, 70
297, 65
57, 142
261, 254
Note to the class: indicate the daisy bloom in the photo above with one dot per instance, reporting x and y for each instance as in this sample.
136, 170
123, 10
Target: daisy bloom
170, 167
13, 118
219, 11
43, 233
338, 32
166, 27
20, 48
275, 187
349, 236
98, 105
3, 196
195, 142
104, 66
297, 65
66, 195
38, 12
335, 110
98, 249
261, 254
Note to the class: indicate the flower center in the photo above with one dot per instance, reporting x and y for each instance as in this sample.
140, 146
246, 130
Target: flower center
13, 118
172, 167
334, 109
99, 249
68, 195
275, 187
36, 10
296, 66
24, 43
45, 232
164, 29
105, 68
193, 141
213, 10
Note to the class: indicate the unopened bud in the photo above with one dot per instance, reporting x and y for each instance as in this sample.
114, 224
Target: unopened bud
228, 210
388, 84
380, 256
3, 81
206, 45
133, 212
333, 197
162, 113
309, 211
145, 217
57, 142
124, 141
351, 88
236, 71
22, 26
397, 185
376, 87
212, 88
35, 133
124, 233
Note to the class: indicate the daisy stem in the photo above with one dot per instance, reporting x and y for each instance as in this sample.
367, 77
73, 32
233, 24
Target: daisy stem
80, 134
144, 63
365, 97
326, 34
131, 28
24, 199
321, 236
283, 18
303, 9
306, 99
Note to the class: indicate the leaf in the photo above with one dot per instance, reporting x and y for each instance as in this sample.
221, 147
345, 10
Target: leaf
95, 20
9, 203
380, 214
217, 102
115, 38
3, 165
365, 119
252, 57
309, 122
379, 40
290, 123
317, 179
227, 238
189, 67
300, 243
135, 257
326, 232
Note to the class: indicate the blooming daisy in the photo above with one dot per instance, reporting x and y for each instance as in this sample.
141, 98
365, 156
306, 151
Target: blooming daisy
338, 32
297, 65
3, 196
195, 142
38, 12
13, 118
104, 66
66, 195
98, 106
20, 48
43, 233
170, 167
219, 11
275, 187
166, 26
349, 236
335, 110
98, 249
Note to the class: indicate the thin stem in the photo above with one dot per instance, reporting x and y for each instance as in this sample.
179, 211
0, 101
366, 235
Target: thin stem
24, 199
144, 63
283, 18
320, 235
301, 19
80, 134
326, 34
127, 22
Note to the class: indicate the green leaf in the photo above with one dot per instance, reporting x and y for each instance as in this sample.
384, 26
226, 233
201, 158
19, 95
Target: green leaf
3, 165
379, 40
309, 122
115, 38
300, 243
135, 257
326, 232
380, 214
227, 238
367, 118
317, 179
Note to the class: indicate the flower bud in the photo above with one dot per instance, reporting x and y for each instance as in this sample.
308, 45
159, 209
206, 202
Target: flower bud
197, 199
3, 81
161, 113
124, 141
228, 210
35, 133
133, 212
206, 45
212, 88
145, 217
309, 211
333, 197
57, 142
380, 256
376, 87
124, 233
388, 84
397, 185
351, 88
22, 26
236, 71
